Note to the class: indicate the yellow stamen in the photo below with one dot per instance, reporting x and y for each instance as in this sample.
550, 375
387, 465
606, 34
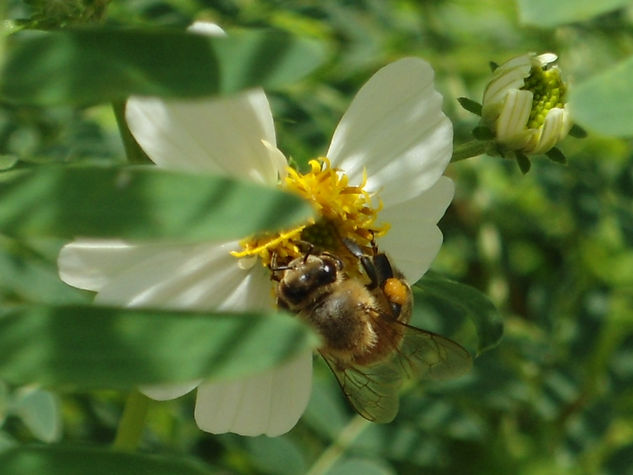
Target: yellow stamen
343, 212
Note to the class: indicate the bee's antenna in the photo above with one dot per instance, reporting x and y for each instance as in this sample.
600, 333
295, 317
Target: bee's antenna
310, 249
273, 264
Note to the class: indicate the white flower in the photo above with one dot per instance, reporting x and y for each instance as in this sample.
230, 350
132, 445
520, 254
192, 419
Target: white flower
394, 130
524, 104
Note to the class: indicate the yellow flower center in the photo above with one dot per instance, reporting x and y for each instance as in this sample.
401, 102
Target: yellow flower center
344, 212
549, 91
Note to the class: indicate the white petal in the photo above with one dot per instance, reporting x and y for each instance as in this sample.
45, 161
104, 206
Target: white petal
414, 240
199, 277
429, 206
421, 250
396, 130
91, 263
509, 76
269, 403
194, 276
512, 122
552, 131
545, 59
206, 28
165, 392
220, 135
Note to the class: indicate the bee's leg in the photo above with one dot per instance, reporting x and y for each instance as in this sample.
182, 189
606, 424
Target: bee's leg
371, 271
390, 284
383, 268
366, 262
353, 247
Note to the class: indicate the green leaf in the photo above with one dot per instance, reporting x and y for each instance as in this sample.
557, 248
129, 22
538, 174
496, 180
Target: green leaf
96, 65
29, 275
545, 13
474, 304
366, 466
140, 203
604, 103
7, 161
470, 105
4, 403
275, 455
100, 347
61, 460
619, 460
40, 412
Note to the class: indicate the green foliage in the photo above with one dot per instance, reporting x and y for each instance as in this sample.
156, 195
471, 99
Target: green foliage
101, 347
544, 13
140, 203
87, 66
60, 13
39, 410
604, 103
470, 302
78, 460
551, 250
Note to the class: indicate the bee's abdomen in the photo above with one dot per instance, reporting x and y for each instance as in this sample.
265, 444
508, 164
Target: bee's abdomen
343, 318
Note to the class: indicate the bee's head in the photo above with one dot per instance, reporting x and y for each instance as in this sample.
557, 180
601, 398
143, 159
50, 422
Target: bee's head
303, 275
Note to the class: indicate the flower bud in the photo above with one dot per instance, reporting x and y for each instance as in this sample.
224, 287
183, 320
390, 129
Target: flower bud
524, 105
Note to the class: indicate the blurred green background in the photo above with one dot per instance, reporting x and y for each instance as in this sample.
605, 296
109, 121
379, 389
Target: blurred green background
552, 250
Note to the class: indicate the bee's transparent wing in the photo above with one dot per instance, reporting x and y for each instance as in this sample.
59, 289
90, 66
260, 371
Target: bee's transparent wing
373, 390
423, 354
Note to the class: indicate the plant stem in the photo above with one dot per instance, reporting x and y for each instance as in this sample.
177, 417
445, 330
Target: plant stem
132, 422
468, 150
133, 151
330, 456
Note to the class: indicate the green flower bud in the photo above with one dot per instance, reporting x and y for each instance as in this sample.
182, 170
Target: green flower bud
524, 105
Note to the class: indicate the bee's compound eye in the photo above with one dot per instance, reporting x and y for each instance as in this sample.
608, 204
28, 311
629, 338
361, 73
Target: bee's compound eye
327, 272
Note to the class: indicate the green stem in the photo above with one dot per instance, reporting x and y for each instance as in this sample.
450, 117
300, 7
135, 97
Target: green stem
330, 456
133, 151
468, 150
132, 422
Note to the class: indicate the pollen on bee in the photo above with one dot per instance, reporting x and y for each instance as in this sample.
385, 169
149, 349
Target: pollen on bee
396, 291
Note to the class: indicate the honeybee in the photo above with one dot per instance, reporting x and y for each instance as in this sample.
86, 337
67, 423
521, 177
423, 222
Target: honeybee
362, 313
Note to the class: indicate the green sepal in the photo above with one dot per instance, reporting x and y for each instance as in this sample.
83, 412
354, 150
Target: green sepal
470, 105
577, 131
523, 161
483, 133
555, 155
